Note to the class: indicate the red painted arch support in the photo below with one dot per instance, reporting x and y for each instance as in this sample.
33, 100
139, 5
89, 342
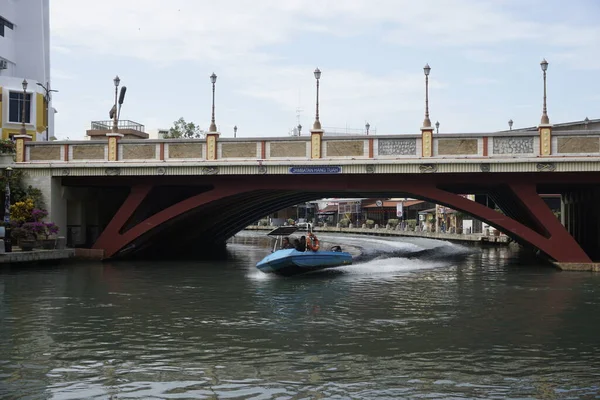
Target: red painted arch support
560, 245
111, 240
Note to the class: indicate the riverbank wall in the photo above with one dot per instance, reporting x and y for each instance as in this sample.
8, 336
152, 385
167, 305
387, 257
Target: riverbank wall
501, 240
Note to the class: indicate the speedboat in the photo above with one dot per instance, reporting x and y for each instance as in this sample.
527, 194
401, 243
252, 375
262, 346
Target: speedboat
289, 262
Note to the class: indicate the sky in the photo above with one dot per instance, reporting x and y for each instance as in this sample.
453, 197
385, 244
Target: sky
484, 56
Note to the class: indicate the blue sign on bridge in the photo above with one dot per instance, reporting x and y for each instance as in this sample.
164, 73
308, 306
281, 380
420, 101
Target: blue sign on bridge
324, 169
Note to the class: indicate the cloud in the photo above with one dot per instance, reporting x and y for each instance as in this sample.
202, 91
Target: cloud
481, 81
251, 44
62, 74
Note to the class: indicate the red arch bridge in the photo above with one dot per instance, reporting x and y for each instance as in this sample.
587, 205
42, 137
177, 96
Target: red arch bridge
133, 197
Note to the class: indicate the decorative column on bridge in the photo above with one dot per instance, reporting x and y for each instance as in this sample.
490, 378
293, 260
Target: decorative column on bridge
427, 129
212, 136
20, 147
545, 128
113, 145
316, 133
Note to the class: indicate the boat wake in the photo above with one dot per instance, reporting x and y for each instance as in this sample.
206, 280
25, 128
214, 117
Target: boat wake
385, 257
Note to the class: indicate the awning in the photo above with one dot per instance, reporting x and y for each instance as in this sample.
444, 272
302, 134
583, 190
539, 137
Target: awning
329, 210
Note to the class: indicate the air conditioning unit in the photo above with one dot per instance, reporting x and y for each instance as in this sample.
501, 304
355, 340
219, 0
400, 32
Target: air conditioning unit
3, 64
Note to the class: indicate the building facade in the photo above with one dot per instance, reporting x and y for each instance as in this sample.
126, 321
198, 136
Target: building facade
25, 55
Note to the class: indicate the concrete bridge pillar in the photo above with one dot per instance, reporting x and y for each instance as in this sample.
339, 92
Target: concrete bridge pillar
545, 139
211, 145
21, 155
316, 137
427, 141
113, 145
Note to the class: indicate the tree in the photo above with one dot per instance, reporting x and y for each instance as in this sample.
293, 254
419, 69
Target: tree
184, 130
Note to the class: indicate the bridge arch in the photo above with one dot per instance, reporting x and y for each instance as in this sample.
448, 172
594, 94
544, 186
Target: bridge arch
232, 203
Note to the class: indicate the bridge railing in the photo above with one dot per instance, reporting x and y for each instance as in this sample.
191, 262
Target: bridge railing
515, 144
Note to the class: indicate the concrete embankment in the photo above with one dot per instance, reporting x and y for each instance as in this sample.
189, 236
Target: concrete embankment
35, 256
472, 238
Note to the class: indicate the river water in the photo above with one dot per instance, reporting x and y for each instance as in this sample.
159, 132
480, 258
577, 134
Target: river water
411, 318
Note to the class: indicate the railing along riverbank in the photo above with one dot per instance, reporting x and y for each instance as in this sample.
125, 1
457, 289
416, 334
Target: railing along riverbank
457, 237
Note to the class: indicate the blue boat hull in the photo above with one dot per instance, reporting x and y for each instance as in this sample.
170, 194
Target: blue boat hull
292, 262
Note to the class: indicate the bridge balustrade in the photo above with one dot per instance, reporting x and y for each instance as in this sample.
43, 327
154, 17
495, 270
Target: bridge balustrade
515, 144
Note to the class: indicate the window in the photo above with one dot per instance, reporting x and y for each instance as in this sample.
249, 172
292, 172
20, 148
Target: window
15, 107
4, 23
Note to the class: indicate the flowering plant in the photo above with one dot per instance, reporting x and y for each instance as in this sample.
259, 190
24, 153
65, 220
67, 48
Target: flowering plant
34, 229
51, 229
38, 215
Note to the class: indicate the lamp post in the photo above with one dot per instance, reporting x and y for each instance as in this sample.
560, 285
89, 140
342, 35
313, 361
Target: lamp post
545, 119
23, 129
426, 70
235, 131
367, 127
586, 121
299, 130
213, 126
437, 127
7, 239
7, 174
317, 124
115, 128
510, 124
47, 97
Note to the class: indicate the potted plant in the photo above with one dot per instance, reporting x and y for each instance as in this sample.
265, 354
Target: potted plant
49, 229
7, 152
23, 237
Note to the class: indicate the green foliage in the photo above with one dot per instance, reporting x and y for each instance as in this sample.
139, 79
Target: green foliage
7, 146
184, 130
344, 222
393, 222
263, 222
36, 195
17, 193
370, 223
461, 215
412, 223
291, 221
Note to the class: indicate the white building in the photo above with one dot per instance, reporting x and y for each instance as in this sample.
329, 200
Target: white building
25, 55
157, 133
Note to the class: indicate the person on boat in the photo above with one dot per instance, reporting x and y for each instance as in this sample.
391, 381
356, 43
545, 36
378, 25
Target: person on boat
286, 243
301, 244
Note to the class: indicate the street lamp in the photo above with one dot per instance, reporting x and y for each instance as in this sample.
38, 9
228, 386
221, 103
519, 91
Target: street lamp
437, 127
367, 126
510, 124
7, 239
47, 97
545, 119
23, 130
317, 124
115, 128
7, 175
426, 70
213, 126
235, 131
299, 130
586, 121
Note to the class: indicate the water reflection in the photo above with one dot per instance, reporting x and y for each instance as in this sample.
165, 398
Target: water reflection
410, 319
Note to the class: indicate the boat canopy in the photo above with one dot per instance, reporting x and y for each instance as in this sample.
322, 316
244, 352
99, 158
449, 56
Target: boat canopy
283, 231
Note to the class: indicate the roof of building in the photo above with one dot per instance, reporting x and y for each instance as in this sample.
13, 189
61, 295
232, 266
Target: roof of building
572, 124
330, 209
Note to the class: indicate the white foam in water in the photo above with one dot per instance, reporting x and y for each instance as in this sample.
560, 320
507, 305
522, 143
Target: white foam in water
390, 266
